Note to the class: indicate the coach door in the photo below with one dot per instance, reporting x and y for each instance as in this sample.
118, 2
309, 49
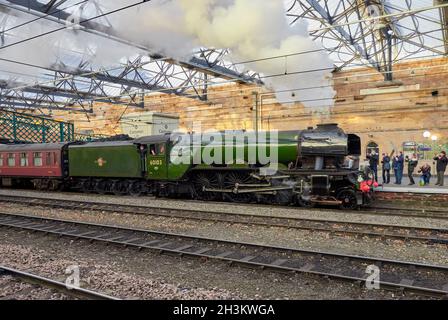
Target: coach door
157, 161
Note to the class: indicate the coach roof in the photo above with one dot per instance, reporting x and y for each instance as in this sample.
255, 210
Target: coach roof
31, 147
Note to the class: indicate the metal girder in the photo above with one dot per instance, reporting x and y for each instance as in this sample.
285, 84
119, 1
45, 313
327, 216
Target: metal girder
400, 30
12, 100
65, 86
444, 23
359, 41
350, 31
214, 67
123, 85
33, 99
330, 20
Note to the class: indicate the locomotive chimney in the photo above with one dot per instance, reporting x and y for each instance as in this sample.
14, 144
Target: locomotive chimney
327, 126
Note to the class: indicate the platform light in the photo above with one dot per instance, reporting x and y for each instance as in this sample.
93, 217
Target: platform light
426, 134
434, 138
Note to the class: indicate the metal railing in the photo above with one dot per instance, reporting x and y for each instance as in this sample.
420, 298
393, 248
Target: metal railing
23, 128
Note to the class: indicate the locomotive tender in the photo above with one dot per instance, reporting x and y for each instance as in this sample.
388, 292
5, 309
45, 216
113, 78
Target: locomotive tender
290, 167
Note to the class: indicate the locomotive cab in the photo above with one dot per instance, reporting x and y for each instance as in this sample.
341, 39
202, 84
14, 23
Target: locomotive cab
155, 156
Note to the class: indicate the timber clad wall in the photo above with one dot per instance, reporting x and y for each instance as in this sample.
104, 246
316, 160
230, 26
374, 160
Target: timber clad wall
386, 115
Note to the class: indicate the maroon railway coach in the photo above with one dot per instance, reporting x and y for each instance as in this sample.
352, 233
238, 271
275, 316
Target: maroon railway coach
43, 166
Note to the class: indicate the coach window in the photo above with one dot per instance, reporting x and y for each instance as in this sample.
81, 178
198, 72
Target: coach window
48, 159
1, 160
37, 159
24, 159
55, 158
11, 160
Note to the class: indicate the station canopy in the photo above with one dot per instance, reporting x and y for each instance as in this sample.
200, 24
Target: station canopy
356, 33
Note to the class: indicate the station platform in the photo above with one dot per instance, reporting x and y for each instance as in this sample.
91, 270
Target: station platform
416, 188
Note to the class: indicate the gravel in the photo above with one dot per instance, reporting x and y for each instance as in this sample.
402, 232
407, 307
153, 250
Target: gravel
132, 274
15, 289
302, 239
188, 275
99, 277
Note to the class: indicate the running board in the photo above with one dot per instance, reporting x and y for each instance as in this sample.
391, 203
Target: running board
261, 178
328, 202
255, 190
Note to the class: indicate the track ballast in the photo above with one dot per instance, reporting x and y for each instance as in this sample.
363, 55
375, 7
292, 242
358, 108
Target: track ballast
416, 277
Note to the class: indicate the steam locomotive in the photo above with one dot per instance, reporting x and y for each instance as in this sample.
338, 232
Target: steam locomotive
305, 167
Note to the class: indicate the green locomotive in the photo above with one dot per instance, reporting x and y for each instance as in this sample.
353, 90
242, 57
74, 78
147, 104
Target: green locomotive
302, 167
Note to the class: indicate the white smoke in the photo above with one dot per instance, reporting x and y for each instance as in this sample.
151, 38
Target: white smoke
34, 52
70, 47
251, 29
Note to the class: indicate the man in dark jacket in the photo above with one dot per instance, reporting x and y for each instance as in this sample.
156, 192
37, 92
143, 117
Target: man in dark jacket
385, 161
373, 163
398, 165
442, 162
412, 164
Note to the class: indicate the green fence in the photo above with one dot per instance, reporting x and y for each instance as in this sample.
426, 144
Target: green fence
19, 127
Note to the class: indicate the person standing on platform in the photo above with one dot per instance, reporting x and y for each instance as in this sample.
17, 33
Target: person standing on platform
398, 165
373, 163
412, 164
425, 170
401, 160
385, 161
441, 163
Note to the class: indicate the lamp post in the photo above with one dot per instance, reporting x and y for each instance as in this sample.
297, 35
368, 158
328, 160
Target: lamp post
426, 135
434, 139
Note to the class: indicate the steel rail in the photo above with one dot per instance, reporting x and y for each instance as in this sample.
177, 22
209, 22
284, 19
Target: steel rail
427, 279
432, 212
80, 293
415, 233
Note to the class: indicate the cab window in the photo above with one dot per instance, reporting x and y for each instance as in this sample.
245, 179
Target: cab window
1, 160
157, 149
161, 149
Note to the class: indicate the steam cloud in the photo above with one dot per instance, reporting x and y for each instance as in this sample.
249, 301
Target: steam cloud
251, 29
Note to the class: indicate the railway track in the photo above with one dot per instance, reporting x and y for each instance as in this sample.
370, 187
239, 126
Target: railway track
422, 234
425, 279
409, 212
379, 210
79, 293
